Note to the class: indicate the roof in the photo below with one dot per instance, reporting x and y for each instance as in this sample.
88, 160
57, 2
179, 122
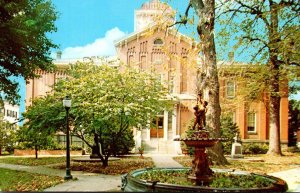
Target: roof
134, 35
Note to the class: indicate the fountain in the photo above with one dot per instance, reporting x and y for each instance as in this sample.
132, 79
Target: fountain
201, 175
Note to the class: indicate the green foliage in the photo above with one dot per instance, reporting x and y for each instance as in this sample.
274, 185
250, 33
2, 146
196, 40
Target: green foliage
106, 104
224, 180
229, 131
294, 121
141, 150
255, 148
187, 133
267, 35
29, 138
220, 180
7, 135
247, 27
46, 115
24, 46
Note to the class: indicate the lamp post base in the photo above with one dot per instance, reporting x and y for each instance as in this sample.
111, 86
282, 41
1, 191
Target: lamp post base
68, 175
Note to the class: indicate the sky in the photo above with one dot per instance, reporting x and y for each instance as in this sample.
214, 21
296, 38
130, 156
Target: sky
89, 27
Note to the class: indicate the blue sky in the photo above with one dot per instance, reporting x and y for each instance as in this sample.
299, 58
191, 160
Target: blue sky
89, 27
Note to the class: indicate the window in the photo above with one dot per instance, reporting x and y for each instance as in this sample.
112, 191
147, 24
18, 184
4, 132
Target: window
251, 122
171, 83
183, 80
230, 89
232, 117
130, 60
143, 63
158, 42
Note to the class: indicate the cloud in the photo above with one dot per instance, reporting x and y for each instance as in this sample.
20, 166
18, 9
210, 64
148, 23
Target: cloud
103, 46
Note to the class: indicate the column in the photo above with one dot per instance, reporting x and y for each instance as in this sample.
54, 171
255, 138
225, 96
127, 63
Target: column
165, 125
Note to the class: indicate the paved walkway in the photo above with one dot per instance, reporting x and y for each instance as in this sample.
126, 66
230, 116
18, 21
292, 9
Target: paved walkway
112, 183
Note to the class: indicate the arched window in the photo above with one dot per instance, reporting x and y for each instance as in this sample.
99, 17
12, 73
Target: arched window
158, 42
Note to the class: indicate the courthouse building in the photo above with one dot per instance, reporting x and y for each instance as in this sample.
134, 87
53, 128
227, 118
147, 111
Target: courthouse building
169, 53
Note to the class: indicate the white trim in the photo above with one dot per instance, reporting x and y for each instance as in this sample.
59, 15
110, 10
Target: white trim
166, 125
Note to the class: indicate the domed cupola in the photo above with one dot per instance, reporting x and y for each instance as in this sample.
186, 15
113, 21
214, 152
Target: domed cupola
150, 11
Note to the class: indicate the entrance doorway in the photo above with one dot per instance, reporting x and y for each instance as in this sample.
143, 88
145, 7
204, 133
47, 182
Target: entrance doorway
157, 131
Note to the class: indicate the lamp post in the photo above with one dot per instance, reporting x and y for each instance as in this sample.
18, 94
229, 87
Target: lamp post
67, 105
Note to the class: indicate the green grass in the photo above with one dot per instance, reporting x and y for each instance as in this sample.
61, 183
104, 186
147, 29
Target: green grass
264, 164
31, 161
11, 180
220, 180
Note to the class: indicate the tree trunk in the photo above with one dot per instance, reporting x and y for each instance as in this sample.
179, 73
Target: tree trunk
36, 151
104, 163
206, 13
274, 140
98, 152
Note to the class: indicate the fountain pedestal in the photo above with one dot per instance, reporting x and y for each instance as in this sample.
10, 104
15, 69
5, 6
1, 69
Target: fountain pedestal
201, 173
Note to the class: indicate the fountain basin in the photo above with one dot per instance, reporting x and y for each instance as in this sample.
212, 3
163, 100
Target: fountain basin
131, 183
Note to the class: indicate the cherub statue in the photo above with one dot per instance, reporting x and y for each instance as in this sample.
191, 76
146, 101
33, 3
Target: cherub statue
200, 111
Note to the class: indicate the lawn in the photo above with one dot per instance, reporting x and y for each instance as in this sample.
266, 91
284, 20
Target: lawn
17, 181
260, 164
116, 167
11, 180
31, 161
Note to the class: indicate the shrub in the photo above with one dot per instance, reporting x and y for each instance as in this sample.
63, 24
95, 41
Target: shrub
255, 148
228, 130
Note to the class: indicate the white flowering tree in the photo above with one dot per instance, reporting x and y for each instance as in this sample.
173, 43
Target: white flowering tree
106, 104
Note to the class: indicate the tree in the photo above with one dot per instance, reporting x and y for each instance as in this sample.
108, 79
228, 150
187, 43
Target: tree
45, 117
106, 104
229, 130
29, 138
208, 80
24, 45
267, 31
7, 134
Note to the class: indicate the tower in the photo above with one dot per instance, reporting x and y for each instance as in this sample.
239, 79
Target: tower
152, 11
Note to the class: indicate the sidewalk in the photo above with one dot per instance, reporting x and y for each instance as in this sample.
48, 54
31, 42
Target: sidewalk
292, 178
111, 183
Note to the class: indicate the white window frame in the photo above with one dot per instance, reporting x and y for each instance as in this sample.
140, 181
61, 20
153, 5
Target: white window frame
251, 123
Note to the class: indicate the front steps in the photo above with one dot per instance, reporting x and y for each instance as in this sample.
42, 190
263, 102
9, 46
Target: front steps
159, 146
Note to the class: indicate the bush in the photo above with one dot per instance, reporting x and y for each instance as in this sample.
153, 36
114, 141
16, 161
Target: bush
55, 146
9, 149
228, 130
75, 147
255, 148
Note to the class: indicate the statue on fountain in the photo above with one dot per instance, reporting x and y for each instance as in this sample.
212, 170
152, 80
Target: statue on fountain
200, 111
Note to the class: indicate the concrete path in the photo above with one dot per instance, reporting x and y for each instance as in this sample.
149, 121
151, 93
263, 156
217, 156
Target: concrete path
292, 178
164, 161
86, 183
106, 183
